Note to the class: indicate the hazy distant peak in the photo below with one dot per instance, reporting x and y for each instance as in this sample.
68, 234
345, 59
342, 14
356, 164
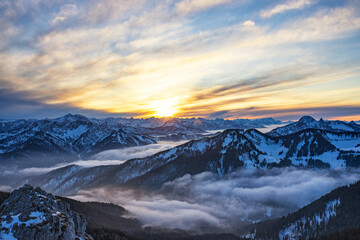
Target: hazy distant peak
353, 123
72, 118
307, 119
306, 122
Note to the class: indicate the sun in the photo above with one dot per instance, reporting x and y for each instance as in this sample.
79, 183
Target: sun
164, 108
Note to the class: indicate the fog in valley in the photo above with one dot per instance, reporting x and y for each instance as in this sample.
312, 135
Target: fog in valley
109, 157
37, 165
204, 202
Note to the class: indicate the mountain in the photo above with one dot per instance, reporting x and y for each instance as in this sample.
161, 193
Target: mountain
251, 149
31, 140
104, 220
221, 154
351, 233
65, 138
180, 137
308, 122
34, 214
193, 124
47, 141
176, 126
336, 211
120, 139
100, 217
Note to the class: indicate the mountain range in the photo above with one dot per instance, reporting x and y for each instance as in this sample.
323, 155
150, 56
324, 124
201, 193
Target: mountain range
223, 153
62, 139
307, 122
76, 136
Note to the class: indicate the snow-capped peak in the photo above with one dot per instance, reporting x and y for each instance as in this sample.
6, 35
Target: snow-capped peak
307, 119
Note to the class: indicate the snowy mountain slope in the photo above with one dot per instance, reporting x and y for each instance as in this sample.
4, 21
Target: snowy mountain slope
335, 211
65, 137
309, 122
76, 136
70, 179
119, 139
252, 149
70, 127
179, 137
173, 126
157, 124
220, 154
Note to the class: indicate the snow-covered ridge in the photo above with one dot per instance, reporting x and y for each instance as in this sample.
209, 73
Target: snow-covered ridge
221, 154
78, 135
71, 134
296, 229
336, 211
309, 122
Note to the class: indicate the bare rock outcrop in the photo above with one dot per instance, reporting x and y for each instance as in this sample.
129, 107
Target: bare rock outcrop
33, 214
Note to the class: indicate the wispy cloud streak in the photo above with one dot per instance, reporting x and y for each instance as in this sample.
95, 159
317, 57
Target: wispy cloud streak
283, 7
119, 57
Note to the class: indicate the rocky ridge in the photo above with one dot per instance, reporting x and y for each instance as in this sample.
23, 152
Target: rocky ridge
307, 122
30, 214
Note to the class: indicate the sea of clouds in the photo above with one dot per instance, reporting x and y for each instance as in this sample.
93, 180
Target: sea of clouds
109, 157
11, 171
205, 202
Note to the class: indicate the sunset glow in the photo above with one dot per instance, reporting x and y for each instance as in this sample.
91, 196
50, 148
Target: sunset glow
164, 108
227, 59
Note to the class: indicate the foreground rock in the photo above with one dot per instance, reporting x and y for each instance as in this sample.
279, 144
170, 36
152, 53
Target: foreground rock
34, 214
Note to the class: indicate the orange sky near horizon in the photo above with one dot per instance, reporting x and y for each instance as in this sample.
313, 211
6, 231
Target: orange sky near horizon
212, 59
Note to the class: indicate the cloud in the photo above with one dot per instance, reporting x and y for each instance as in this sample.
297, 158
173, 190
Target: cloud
295, 113
142, 53
282, 76
288, 5
97, 12
219, 114
66, 11
325, 24
5, 188
22, 104
137, 152
186, 7
81, 163
249, 23
105, 158
344, 112
204, 202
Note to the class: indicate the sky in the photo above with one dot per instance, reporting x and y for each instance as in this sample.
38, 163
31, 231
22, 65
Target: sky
182, 58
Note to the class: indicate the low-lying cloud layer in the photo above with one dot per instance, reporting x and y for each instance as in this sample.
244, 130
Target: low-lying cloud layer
137, 152
109, 157
204, 202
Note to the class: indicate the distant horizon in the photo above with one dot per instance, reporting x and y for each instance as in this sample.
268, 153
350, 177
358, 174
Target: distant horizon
174, 117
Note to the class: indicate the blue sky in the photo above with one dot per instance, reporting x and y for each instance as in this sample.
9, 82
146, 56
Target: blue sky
186, 58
